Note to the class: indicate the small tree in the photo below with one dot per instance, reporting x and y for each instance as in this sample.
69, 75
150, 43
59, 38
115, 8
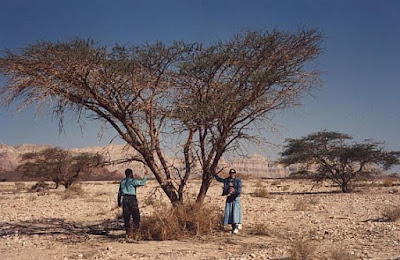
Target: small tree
331, 155
58, 165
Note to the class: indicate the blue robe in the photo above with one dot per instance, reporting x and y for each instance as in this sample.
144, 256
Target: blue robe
233, 208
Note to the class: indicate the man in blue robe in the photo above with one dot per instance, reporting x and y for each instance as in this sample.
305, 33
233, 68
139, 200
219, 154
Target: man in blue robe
233, 210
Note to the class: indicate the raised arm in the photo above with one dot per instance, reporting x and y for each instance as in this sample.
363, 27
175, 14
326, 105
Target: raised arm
141, 182
218, 178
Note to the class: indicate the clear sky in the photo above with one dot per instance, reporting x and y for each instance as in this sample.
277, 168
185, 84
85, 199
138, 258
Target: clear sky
361, 58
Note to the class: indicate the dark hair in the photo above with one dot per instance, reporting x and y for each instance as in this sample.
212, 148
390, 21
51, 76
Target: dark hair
128, 172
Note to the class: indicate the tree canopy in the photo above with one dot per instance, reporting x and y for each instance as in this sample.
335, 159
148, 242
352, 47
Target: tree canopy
333, 155
58, 165
206, 97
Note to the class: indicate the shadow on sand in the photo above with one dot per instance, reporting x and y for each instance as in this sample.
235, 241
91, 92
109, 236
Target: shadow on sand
61, 227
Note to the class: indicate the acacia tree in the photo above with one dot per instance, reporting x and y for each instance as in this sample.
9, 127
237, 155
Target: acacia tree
212, 95
126, 87
58, 165
230, 87
332, 155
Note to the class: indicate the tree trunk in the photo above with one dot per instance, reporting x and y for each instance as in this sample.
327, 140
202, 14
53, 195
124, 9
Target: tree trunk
172, 194
205, 184
345, 187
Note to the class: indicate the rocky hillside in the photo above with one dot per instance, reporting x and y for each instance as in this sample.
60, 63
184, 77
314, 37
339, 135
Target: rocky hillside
255, 165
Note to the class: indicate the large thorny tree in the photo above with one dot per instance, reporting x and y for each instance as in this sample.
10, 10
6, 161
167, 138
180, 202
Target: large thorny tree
205, 97
332, 155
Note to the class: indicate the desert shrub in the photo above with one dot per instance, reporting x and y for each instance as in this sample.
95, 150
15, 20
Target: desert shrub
73, 191
276, 182
387, 182
39, 186
313, 201
19, 187
301, 205
301, 249
32, 197
187, 220
340, 254
260, 229
391, 214
261, 192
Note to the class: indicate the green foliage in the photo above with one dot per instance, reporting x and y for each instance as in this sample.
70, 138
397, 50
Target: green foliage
60, 166
331, 155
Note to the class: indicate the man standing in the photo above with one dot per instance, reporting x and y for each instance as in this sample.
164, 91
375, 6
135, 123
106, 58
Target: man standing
233, 210
130, 207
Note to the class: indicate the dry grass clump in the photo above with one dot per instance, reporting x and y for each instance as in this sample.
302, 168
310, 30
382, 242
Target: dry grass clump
387, 182
276, 182
304, 204
260, 229
39, 186
261, 192
19, 187
301, 249
300, 205
73, 191
187, 220
391, 214
340, 254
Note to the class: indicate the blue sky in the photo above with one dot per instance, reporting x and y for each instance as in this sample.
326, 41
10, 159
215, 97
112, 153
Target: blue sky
361, 58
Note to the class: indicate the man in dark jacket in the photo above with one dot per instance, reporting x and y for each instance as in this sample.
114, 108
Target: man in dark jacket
233, 210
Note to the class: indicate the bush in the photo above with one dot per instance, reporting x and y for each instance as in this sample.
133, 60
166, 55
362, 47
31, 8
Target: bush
187, 220
301, 250
261, 192
300, 205
19, 187
387, 182
391, 214
73, 191
260, 230
340, 254
39, 186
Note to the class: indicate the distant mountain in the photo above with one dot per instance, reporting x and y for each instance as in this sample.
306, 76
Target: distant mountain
254, 165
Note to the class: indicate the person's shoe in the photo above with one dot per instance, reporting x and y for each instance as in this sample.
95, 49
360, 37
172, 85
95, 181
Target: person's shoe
239, 226
235, 231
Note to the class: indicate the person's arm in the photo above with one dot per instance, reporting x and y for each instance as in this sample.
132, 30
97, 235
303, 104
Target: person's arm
218, 178
141, 182
239, 188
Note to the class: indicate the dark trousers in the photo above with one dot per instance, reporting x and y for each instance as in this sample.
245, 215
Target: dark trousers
130, 209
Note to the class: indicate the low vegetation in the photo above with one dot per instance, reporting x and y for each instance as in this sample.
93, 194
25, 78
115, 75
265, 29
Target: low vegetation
187, 220
391, 214
301, 249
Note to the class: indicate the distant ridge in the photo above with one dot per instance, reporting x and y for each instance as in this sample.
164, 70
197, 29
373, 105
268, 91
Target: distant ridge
255, 165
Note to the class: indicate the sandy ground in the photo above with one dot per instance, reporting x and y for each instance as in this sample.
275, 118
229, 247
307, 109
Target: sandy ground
332, 225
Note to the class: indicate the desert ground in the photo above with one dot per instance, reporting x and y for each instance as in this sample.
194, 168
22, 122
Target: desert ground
288, 216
